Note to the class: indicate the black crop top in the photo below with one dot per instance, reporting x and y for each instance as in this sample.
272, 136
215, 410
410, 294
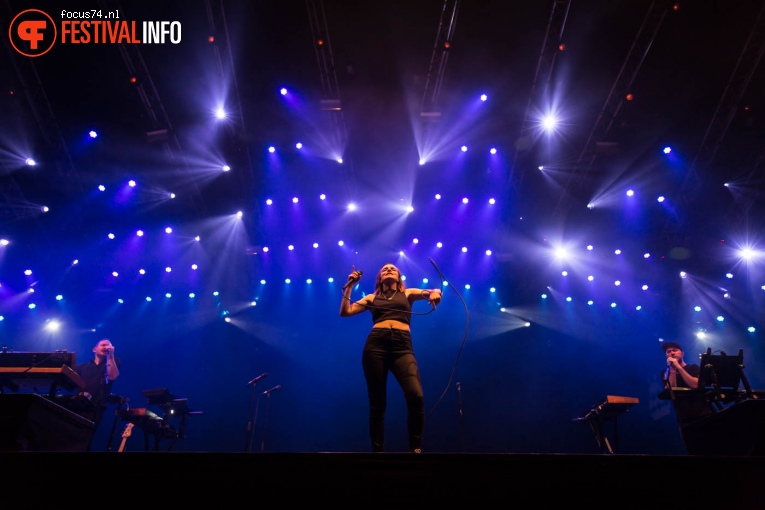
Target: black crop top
397, 308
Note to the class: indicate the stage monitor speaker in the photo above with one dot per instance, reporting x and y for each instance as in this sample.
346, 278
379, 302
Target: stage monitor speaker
31, 422
737, 430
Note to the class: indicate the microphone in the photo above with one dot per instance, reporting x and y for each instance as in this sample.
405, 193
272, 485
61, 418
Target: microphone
258, 378
666, 374
268, 391
458, 388
351, 281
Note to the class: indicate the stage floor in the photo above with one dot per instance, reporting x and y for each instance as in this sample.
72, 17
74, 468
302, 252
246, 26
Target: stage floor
387, 480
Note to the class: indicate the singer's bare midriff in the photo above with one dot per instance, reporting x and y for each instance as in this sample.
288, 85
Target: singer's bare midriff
391, 324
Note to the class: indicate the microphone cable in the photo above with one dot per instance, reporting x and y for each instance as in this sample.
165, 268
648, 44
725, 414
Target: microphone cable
462, 345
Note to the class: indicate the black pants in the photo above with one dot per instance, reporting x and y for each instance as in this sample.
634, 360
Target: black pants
391, 350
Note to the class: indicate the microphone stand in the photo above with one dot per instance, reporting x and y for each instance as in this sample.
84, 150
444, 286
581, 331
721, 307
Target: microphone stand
111, 433
462, 421
251, 422
265, 421
114, 422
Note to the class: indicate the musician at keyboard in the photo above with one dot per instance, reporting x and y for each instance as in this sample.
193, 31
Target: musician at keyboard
682, 377
99, 375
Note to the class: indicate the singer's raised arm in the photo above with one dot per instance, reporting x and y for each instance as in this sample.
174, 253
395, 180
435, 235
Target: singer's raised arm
347, 307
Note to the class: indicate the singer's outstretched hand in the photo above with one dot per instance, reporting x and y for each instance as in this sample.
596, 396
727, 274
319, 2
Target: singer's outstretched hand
433, 296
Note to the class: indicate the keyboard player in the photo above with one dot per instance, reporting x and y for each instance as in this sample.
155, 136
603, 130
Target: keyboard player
99, 375
682, 378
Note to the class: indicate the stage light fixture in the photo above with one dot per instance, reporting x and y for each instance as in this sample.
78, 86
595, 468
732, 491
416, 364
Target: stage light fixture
428, 116
159, 135
330, 105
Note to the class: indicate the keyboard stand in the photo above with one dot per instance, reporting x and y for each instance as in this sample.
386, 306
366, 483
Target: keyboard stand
608, 409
